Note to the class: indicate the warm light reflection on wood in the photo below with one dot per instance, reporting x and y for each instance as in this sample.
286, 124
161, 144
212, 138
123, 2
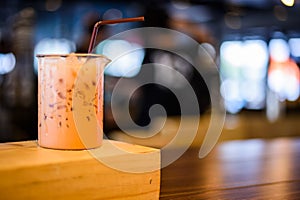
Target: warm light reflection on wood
244, 169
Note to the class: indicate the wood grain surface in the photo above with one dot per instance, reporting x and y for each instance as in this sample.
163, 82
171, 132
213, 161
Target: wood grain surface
241, 169
31, 172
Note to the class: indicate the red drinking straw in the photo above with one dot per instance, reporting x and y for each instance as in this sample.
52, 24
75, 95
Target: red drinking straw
114, 21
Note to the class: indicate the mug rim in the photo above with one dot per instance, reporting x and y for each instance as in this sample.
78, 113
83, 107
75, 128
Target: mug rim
70, 54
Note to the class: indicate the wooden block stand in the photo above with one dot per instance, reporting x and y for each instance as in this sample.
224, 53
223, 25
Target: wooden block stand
31, 172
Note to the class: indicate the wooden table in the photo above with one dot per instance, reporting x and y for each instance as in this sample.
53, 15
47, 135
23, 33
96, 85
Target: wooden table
243, 169
240, 169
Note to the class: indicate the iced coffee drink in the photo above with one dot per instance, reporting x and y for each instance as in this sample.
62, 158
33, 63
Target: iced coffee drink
70, 100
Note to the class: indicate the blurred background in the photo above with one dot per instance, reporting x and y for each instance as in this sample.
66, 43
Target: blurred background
254, 43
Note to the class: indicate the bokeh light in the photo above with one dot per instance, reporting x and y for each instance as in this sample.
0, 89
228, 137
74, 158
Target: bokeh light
7, 63
126, 57
243, 71
53, 46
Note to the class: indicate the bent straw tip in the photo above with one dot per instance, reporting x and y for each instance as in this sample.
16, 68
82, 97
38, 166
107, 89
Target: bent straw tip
142, 18
114, 21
